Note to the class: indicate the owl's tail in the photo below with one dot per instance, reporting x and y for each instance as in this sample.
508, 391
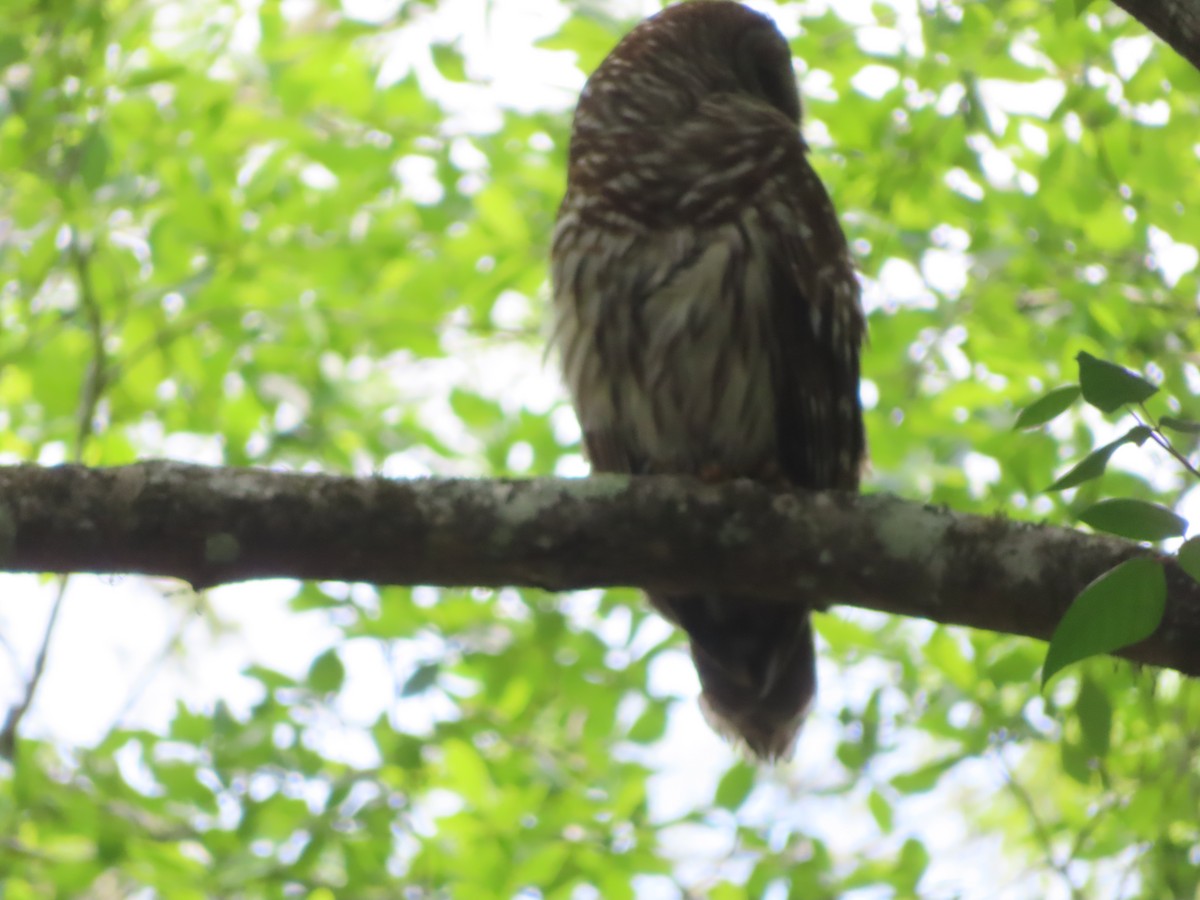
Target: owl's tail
756, 664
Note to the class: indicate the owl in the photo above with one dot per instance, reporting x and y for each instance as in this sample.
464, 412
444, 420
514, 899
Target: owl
707, 315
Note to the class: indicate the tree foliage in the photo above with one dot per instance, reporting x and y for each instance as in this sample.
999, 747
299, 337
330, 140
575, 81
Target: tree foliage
283, 235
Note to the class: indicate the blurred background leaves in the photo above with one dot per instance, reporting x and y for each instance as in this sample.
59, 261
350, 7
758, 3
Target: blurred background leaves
313, 235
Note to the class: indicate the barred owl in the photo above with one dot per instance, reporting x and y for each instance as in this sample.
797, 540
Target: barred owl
707, 314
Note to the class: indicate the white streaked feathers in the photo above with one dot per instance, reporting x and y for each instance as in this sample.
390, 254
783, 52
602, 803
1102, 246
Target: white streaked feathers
678, 309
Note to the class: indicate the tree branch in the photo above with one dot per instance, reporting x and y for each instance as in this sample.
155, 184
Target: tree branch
212, 526
1177, 22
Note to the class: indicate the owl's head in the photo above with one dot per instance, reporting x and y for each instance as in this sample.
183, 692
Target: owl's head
663, 69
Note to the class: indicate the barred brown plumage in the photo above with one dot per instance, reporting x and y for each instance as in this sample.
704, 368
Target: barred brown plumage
707, 313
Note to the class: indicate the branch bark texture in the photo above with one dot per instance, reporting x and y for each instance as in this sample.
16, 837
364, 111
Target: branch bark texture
212, 526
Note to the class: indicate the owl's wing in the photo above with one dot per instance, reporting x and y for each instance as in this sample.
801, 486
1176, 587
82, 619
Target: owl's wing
815, 352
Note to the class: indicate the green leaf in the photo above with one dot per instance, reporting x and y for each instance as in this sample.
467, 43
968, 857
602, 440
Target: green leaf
1189, 557
1121, 607
11, 50
1045, 408
188, 726
1093, 465
943, 652
35, 263
735, 786
466, 771
474, 410
650, 725
1137, 520
1108, 386
421, 680
543, 864
911, 864
183, 784
1017, 665
269, 678
1094, 710
449, 62
154, 74
326, 674
923, 779
586, 34
93, 159
881, 811
1076, 761
1183, 426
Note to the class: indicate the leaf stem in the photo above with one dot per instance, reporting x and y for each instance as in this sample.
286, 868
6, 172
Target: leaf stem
1159, 438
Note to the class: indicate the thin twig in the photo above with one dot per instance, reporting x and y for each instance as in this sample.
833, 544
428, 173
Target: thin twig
8, 734
93, 388
145, 678
96, 378
1039, 827
1159, 438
